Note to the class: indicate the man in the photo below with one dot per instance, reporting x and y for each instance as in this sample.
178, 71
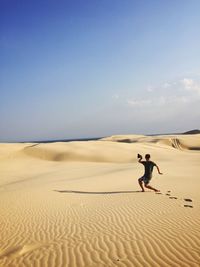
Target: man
148, 170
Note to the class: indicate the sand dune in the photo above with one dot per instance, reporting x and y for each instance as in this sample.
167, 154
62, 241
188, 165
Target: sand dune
191, 142
78, 203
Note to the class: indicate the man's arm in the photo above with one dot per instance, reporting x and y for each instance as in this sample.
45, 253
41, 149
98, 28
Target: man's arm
158, 169
140, 158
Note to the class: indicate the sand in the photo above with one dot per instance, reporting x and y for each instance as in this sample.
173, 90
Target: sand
78, 203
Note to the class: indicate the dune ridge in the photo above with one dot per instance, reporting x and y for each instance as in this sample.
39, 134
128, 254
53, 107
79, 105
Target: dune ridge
79, 204
94, 151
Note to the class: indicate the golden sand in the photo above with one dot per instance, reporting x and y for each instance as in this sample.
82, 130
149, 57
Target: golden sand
78, 204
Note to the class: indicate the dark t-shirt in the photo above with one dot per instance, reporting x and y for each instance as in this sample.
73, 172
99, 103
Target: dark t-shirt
148, 168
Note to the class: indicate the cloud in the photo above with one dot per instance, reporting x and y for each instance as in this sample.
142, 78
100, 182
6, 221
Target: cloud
191, 85
116, 96
139, 102
161, 86
174, 99
150, 89
159, 101
165, 103
168, 95
166, 85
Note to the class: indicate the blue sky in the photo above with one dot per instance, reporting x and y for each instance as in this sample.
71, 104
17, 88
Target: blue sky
72, 69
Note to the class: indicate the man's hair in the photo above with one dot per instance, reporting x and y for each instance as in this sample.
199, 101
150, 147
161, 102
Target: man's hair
147, 156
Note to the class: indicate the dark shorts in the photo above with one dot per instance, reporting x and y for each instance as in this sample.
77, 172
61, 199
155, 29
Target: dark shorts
144, 179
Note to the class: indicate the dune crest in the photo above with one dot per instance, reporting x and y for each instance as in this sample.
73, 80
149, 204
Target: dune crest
176, 141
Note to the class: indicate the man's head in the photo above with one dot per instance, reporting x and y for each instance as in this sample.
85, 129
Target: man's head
147, 156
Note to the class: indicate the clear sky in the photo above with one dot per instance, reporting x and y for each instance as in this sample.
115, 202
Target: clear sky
91, 68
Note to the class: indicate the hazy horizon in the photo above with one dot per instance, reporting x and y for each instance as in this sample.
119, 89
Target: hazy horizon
90, 138
81, 69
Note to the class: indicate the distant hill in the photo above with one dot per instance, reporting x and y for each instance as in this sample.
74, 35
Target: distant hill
196, 131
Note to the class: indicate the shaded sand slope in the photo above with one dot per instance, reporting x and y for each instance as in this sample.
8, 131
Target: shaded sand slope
77, 203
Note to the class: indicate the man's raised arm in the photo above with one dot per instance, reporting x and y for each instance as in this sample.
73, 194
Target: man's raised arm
140, 158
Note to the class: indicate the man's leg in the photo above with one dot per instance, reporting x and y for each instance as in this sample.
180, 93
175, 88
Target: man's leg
152, 188
140, 181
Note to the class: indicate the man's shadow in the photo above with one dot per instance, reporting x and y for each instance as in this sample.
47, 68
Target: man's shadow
86, 192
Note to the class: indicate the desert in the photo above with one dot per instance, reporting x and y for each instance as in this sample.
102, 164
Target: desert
79, 203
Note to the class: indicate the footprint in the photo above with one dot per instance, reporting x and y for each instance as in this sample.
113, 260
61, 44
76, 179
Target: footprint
188, 199
173, 197
188, 206
29, 248
19, 250
167, 194
10, 251
168, 191
159, 193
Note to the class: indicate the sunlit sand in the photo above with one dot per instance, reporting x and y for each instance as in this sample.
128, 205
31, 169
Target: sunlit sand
79, 203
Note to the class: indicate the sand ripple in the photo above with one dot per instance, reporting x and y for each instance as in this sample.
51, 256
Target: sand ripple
102, 230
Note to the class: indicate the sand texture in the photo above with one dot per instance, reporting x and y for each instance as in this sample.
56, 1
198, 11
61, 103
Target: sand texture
78, 203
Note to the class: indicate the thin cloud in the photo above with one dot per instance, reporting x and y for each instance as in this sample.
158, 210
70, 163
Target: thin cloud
139, 102
166, 85
173, 99
169, 94
159, 101
191, 85
150, 89
116, 96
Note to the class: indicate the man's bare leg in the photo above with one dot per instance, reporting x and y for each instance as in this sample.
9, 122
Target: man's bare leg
150, 187
141, 184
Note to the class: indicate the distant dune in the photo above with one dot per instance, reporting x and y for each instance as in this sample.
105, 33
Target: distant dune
196, 131
78, 204
177, 141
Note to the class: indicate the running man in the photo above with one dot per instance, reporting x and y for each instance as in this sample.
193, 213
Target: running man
148, 170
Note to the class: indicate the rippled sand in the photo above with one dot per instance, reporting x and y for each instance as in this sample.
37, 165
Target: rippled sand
78, 203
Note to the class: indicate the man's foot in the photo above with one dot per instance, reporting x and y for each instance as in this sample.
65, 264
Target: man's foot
151, 188
143, 190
